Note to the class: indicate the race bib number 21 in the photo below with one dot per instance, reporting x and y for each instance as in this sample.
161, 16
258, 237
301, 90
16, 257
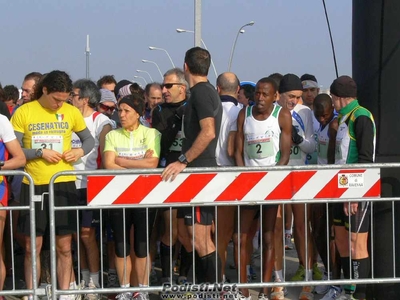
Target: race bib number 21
52, 142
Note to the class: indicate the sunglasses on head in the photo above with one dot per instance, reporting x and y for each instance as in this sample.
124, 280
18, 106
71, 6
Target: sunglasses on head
170, 85
107, 108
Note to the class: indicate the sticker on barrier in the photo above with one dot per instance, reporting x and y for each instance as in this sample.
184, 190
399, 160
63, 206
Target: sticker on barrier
233, 186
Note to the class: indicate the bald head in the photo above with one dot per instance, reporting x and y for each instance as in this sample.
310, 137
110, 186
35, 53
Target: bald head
228, 84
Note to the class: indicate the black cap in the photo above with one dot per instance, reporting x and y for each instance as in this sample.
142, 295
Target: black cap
290, 82
119, 85
345, 87
308, 77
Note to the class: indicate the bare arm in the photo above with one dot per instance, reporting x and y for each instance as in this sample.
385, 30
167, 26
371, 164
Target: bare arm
109, 161
231, 144
332, 132
18, 158
143, 163
285, 141
239, 140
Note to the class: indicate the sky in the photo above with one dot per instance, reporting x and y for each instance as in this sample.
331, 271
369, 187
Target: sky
288, 36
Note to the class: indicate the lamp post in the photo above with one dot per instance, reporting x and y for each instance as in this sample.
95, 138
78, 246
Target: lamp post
180, 30
141, 71
145, 81
156, 48
152, 62
234, 44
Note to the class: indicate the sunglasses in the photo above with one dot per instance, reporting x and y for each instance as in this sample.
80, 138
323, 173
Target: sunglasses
169, 85
107, 108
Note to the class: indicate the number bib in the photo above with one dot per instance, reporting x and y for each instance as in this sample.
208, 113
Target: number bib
52, 142
132, 155
177, 144
295, 152
259, 146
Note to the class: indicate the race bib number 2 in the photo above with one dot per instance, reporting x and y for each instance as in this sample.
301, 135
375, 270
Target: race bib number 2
259, 147
52, 142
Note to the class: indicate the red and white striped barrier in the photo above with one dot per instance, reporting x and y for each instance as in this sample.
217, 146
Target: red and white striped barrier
234, 186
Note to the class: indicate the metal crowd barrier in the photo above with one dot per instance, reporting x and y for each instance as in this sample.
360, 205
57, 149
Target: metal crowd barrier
31, 207
150, 192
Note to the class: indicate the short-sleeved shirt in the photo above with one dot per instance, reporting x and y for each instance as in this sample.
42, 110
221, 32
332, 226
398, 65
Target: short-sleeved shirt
230, 114
47, 129
133, 144
203, 103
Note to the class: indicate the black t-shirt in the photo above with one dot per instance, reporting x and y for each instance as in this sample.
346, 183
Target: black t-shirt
203, 103
165, 121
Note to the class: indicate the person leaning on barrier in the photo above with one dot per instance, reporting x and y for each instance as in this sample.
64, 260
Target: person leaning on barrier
167, 118
263, 139
85, 96
8, 146
44, 127
355, 143
201, 126
133, 146
326, 140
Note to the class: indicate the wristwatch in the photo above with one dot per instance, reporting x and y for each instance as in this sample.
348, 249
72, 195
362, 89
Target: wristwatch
182, 159
39, 152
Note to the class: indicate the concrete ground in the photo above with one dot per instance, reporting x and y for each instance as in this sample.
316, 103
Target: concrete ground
290, 259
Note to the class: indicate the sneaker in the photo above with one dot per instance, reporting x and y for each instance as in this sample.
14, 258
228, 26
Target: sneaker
141, 296
300, 274
243, 297
333, 293
262, 296
317, 274
277, 293
153, 276
306, 293
182, 280
322, 289
124, 296
91, 286
288, 242
112, 280
346, 297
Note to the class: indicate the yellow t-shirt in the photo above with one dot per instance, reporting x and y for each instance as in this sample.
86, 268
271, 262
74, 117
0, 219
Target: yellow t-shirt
44, 128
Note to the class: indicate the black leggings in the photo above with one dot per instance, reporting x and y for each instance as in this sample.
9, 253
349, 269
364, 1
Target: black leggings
137, 218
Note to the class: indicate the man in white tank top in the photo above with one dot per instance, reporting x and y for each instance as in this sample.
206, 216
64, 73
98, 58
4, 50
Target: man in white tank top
263, 139
303, 143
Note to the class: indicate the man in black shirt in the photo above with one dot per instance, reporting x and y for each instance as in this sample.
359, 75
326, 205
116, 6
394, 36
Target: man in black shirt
201, 126
167, 119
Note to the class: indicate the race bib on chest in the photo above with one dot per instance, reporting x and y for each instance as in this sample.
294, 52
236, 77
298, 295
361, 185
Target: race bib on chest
52, 142
177, 144
259, 146
295, 152
132, 155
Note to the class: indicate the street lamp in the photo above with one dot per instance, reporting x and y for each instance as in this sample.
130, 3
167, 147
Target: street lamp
141, 71
156, 48
145, 81
234, 43
179, 30
152, 62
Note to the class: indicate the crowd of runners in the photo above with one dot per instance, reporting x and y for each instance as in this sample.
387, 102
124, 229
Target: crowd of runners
183, 122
